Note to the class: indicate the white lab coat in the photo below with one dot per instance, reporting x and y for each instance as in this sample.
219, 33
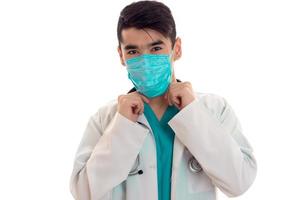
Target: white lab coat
207, 128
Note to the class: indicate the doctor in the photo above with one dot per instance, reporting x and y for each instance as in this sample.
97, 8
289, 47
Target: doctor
162, 140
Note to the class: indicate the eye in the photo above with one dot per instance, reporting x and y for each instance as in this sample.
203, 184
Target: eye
157, 48
132, 52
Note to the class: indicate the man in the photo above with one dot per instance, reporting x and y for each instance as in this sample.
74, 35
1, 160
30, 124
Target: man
161, 140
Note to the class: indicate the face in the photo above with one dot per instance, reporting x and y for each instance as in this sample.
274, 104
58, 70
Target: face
146, 41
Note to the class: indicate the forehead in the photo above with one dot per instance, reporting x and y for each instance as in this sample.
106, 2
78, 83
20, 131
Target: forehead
141, 37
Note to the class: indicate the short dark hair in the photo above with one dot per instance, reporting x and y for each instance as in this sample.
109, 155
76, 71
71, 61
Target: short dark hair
148, 14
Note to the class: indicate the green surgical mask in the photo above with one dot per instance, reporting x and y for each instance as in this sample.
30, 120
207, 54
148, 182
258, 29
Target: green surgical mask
151, 74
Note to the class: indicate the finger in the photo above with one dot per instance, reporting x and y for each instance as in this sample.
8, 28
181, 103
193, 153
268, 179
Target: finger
141, 105
136, 110
145, 99
135, 107
141, 111
169, 100
176, 100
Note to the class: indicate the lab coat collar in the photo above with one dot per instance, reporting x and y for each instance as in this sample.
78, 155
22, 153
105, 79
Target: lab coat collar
142, 119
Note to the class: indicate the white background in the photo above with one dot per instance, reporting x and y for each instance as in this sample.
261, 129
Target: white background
59, 64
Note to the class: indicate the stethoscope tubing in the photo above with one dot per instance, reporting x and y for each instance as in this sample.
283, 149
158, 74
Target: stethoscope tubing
194, 166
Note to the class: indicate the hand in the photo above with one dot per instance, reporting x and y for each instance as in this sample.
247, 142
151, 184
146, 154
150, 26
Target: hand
180, 94
131, 105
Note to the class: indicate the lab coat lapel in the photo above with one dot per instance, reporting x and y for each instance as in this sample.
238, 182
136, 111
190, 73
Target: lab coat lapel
142, 120
178, 146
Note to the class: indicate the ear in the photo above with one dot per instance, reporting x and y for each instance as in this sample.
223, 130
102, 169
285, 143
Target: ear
121, 55
177, 49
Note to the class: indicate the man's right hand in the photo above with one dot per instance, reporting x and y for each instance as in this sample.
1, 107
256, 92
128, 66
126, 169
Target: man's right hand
131, 105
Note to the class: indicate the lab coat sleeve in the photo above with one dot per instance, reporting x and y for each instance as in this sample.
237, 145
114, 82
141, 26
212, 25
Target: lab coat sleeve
105, 157
214, 137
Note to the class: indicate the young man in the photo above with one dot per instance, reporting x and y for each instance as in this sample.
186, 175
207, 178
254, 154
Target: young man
161, 140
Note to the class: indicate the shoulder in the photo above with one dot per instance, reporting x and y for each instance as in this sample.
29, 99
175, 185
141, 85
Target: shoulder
105, 113
211, 100
214, 103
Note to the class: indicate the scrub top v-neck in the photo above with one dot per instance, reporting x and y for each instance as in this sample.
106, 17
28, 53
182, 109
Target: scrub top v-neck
164, 140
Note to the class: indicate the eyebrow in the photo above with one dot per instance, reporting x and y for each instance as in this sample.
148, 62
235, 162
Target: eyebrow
131, 46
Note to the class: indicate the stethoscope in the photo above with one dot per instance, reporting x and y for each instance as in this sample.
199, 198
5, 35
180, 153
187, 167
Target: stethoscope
194, 166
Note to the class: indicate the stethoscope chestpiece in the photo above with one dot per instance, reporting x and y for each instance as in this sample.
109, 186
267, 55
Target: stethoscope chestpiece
194, 165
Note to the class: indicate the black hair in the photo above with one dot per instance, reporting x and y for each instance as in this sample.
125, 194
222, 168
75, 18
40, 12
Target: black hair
148, 14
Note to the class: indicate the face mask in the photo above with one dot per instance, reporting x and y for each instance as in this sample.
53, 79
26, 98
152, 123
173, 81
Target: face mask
151, 74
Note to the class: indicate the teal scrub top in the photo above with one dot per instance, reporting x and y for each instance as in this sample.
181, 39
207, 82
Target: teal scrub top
164, 139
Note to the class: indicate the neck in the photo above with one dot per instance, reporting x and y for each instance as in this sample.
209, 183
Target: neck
158, 102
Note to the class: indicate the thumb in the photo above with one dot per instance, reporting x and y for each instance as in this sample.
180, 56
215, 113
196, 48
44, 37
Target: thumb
145, 99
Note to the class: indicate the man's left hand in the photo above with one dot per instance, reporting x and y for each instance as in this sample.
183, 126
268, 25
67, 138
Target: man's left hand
180, 94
